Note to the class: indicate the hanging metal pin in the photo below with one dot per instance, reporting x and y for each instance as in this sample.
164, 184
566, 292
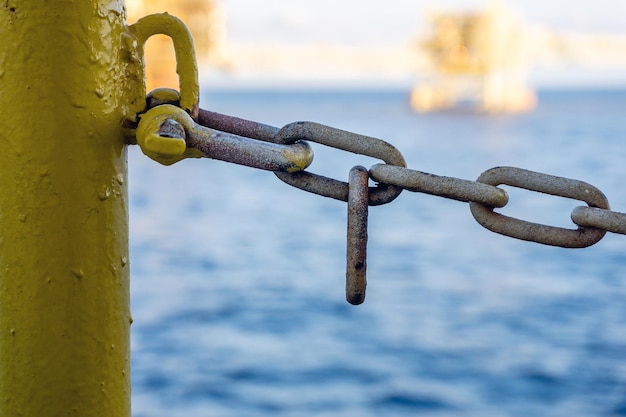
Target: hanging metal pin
356, 256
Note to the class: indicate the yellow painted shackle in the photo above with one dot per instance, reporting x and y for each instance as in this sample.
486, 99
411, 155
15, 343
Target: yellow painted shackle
186, 65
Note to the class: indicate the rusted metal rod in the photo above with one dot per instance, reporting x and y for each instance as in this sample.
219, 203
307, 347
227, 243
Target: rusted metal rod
236, 125
356, 256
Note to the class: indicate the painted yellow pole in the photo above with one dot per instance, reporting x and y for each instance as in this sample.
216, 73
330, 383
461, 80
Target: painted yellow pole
64, 280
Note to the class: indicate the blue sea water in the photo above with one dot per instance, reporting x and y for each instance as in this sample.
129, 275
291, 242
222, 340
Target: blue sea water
237, 279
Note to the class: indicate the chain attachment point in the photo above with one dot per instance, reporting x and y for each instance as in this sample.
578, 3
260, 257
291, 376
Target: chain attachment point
186, 66
167, 134
157, 141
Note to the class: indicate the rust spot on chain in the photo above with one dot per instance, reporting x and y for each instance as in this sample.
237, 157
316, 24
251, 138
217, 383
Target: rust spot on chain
171, 129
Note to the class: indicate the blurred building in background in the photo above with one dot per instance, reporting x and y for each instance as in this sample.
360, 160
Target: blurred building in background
477, 57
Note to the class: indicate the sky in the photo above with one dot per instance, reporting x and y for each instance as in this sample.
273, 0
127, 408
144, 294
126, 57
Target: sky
391, 21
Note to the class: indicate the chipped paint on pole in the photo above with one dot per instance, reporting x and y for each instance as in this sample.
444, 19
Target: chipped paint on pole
64, 273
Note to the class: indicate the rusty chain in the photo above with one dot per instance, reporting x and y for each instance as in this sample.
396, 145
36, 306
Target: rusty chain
246, 142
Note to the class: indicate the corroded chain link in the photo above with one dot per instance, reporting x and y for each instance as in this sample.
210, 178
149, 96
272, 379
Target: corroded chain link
543, 183
286, 152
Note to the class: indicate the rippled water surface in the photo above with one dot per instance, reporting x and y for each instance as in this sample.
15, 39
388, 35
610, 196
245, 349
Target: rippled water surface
238, 278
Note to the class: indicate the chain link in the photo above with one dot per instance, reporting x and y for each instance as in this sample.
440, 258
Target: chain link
343, 140
249, 143
448, 187
356, 253
483, 194
543, 183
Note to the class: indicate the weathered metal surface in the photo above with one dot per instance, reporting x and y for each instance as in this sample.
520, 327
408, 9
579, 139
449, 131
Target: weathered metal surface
448, 187
171, 129
544, 183
64, 261
237, 126
250, 152
611, 221
356, 254
347, 141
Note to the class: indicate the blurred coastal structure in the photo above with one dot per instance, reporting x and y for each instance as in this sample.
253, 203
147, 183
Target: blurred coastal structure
484, 57
477, 57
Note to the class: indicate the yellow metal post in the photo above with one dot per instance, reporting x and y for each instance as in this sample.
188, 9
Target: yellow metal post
64, 280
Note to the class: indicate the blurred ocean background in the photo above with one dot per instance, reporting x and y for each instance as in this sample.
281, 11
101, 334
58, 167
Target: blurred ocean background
238, 279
